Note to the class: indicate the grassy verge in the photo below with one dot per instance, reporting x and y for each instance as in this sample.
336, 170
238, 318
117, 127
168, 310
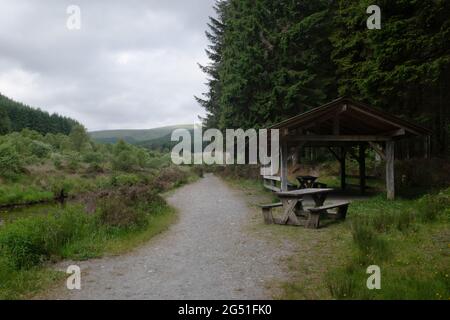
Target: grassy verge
31, 243
123, 219
408, 239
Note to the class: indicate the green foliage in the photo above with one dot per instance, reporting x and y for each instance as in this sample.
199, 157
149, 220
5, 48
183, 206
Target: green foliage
10, 162
19, 116
16, 194
30, 241
5, 122
78, 137
116, 212
123, 180
406, 239
40, 149
274, 59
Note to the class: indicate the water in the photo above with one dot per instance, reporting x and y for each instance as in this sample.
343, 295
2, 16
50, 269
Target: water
12, 213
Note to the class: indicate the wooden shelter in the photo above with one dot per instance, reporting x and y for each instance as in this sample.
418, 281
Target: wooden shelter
341, 125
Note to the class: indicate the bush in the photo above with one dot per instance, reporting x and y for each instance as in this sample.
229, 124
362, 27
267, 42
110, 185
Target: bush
40, 149
430, 207
10, 161
123, 180
170, 177
121, 210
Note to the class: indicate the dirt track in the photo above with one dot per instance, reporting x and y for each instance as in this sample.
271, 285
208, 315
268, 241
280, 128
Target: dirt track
208, 254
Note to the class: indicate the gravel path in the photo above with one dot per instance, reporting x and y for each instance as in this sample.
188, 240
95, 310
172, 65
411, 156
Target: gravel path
210, 253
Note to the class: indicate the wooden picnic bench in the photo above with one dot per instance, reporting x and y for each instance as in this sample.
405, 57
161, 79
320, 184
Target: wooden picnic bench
267, 212
270, 182
292, 203
317, 212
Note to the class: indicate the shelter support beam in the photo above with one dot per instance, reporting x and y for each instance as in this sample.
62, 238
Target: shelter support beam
390, 177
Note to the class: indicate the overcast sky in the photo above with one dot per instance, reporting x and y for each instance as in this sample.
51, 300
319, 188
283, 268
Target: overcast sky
133, 64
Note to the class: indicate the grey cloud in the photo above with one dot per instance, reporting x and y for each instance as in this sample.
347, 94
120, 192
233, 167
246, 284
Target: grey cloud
132, 65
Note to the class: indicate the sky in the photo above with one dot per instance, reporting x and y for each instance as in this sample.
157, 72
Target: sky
132, 64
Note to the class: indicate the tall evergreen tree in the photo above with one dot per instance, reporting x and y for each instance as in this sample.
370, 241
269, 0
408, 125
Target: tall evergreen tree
215, 34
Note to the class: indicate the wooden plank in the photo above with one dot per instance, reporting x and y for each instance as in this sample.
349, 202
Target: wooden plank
341, 138
343, 167
284, 164
362, 168
271, 205
396, 133
272, 188
330, 206
390, 177
275, 178
303, 192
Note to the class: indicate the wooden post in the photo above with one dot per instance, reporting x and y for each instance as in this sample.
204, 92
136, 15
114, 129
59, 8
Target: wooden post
390, 178
362, 168
343, 174
284, 164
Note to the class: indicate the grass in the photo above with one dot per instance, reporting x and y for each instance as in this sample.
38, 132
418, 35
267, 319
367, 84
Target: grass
408, 239
28, 244
20, 194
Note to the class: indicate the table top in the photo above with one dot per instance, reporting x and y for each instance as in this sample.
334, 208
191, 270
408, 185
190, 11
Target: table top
307, 177
303, 192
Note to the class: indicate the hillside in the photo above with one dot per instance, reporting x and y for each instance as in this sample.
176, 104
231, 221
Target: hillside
15, 116
155, 138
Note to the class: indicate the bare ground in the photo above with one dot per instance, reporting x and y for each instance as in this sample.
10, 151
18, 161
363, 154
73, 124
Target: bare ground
217, 250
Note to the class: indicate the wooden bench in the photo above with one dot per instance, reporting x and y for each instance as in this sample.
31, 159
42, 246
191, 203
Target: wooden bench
267, 211
270, 182
315, 213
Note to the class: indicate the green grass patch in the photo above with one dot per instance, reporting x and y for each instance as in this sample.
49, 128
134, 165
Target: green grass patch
27, 244
407, 239
20, 194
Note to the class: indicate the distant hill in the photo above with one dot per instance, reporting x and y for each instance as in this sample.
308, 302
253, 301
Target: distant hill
157, 138
16, 116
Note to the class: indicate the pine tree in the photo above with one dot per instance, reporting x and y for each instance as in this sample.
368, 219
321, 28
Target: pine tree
210, 100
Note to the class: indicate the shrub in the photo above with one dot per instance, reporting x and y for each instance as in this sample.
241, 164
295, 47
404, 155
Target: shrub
125, 161
123, 180
40, 149
115, 211
10, 161
169, 177
430, 207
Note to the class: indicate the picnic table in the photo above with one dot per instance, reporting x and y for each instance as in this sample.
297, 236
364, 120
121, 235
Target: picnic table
306, 181
293, 210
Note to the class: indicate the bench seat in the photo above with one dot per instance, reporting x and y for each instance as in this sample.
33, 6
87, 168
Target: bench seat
315, 213
267, 211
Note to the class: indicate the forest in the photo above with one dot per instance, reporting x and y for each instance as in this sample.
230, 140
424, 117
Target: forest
271, 60
15, 116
